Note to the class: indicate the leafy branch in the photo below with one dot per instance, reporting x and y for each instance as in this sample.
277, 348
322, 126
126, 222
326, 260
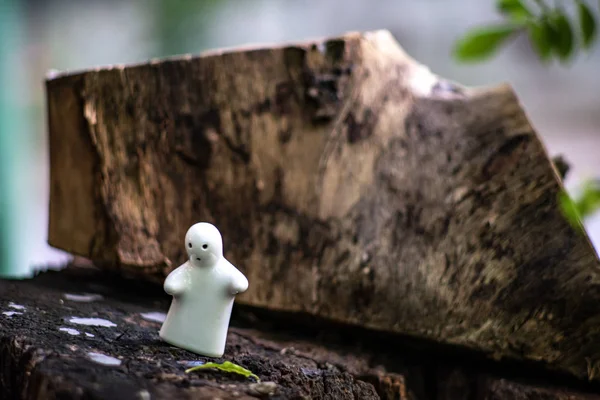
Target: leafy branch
552, 34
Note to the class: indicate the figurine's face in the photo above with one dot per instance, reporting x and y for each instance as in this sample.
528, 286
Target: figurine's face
203, 244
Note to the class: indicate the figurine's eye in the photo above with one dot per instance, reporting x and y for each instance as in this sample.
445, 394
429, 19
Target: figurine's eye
198, 258
190, 245
205, 246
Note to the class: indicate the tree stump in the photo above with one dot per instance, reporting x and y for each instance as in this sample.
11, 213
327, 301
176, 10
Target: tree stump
45, 354
349, 183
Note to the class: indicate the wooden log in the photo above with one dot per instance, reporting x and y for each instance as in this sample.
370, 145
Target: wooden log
349, 183
44, 355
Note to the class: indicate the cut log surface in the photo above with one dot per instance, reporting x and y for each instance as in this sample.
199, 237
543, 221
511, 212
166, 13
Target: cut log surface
45, 354
349, 183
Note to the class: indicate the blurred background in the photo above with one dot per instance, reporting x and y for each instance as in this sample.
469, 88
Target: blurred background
37, 36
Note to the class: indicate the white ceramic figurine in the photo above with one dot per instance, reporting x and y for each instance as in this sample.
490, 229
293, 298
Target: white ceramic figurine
203, 291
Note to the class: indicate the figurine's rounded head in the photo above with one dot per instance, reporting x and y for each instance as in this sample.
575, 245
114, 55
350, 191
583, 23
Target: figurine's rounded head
204, 244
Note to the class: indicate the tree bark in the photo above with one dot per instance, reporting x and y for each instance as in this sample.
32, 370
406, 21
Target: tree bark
349, 183
45, 356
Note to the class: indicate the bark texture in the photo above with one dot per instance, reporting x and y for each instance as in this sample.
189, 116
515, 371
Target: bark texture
45, 356
348, 182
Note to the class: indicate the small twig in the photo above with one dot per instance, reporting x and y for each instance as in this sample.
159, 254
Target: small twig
121, 335
562, 166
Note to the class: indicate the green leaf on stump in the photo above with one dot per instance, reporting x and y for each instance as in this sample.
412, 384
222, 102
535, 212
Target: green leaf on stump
226, 366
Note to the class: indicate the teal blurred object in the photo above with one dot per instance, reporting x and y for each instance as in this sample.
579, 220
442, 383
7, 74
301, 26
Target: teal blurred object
14, 140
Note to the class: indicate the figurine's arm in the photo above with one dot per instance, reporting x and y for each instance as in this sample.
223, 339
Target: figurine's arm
239, 283
177, 282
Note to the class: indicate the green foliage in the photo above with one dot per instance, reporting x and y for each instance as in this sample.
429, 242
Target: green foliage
539, 36
577, 210
226, 366
590, 199
561, 35
553, 35
515, 10
179, 23
569, 209
588, 24
481, 43
551, 32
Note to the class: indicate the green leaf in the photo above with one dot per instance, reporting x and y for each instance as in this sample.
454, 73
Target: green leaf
227, 366
563, 40
569, 209
540, 39
514, 9
589, 202
588, 24
481, 43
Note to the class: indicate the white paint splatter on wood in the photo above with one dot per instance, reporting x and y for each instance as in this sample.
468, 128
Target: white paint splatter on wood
70, 331
154, 316
83, 298
11, 313
92, 322
103, 359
